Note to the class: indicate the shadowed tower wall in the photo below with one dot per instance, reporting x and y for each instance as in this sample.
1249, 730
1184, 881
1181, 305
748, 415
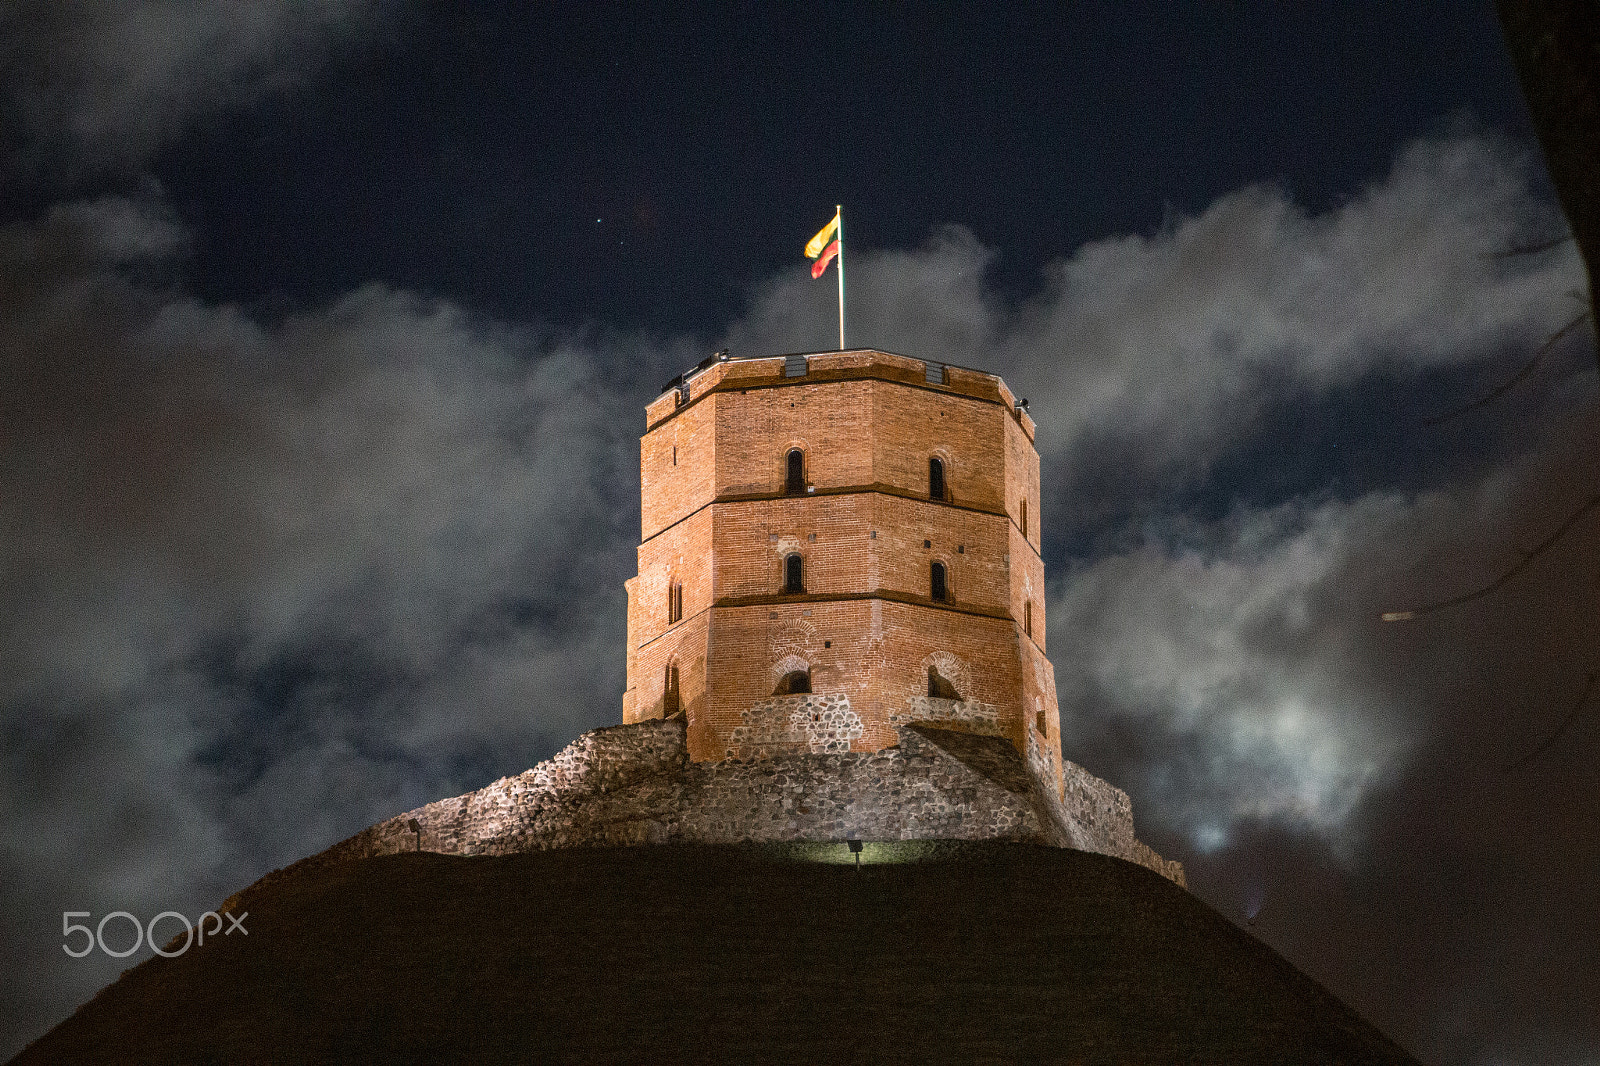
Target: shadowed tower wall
792, 522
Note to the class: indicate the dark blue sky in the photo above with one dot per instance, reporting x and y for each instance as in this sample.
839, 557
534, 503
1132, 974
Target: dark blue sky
471, 152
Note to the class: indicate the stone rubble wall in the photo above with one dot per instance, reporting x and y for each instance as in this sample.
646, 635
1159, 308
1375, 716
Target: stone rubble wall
804, 723
634, 784
970, 715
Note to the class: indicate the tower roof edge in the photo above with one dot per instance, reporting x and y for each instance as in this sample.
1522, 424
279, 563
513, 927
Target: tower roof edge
725, 373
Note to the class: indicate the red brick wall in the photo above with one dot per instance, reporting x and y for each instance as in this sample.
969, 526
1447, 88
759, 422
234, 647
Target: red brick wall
677, 461
716, 519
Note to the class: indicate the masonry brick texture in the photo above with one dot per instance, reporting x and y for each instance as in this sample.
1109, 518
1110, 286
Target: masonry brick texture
710, 612
635, 785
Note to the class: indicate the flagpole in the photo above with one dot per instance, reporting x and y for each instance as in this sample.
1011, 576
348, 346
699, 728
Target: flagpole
840, 238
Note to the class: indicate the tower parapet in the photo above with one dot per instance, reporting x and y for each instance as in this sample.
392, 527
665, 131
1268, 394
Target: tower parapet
834, 545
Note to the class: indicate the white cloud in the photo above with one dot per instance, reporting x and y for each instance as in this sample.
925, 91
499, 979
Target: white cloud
1177, 340
268, 584
1168, 346
1242, 647
109, 80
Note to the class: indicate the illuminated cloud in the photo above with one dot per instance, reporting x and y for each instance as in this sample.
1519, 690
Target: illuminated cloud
105, 81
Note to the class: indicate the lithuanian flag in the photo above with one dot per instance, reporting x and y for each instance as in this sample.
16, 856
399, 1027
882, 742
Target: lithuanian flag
820, 249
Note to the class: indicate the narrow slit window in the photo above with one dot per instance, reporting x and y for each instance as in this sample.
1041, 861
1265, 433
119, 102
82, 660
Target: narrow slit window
793, 576
675, 602
1040, 724
670, 700
941, 587
936, 486
1024, 522
1027, 617
795, 478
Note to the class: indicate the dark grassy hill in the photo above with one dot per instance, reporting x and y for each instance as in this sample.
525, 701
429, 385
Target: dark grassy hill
988, 953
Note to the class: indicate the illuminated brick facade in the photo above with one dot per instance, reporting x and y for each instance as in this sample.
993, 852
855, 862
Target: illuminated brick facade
836, 545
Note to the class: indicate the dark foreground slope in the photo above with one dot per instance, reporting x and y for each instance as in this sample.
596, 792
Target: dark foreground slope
991, 953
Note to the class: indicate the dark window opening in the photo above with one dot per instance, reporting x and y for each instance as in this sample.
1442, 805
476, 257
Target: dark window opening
939, 688
941, 589
670, 701
936, 489
1027, 617
792, 577
675, 603
1040, 724
793, 683
795, 481
1024, 522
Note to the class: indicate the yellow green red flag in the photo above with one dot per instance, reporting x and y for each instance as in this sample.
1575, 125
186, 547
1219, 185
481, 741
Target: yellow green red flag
824, 259
815, 246
823, 249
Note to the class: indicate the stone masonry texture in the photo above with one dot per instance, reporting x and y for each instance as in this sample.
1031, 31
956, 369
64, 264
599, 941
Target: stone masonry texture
635, 784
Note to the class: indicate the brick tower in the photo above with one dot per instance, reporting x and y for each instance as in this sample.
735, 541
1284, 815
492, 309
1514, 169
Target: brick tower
833, 545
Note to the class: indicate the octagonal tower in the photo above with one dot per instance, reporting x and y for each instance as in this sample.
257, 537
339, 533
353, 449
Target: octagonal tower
833, 545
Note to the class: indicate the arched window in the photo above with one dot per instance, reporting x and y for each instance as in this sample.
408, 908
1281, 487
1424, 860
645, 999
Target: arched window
1024, 522
941, 587
793, 579
939, 688
1027, 617
936, 486
669, 699
675, 602
795, 479
795, 681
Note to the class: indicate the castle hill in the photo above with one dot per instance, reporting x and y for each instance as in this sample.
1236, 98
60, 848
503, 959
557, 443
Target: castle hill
836, 633
835, 822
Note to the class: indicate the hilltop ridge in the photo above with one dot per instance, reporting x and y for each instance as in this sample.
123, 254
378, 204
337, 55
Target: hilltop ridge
985, 951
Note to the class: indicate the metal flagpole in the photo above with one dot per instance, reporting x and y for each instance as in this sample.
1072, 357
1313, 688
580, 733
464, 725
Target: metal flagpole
839, 236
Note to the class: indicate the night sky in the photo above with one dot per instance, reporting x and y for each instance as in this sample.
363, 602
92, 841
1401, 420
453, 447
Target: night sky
327, 328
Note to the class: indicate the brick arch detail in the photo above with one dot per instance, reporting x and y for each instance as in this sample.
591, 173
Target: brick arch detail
797, 638
942, 453
952, 668
785, 666
949, 575
782, 459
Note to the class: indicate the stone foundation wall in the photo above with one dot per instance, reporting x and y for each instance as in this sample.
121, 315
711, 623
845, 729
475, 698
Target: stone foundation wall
967, 715
801, 724
634, 784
